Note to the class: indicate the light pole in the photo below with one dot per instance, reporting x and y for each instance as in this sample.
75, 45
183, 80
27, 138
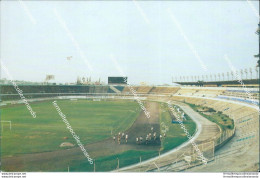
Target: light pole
256, 69
241, 72
245, 72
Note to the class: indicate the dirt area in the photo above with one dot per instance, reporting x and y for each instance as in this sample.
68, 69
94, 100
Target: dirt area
142, 126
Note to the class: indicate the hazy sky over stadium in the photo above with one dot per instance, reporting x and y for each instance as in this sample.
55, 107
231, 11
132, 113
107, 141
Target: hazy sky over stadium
142, 36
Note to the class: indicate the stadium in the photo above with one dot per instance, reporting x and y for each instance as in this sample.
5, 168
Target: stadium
98, 113
129, 86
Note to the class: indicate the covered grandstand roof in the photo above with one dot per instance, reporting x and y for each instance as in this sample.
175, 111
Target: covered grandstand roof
222, 83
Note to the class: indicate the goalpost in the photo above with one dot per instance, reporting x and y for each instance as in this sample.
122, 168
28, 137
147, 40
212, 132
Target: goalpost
10, 125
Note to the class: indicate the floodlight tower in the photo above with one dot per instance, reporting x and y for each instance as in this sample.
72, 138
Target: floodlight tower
251, 72
241, 72
246, 72
236, 74
232, 75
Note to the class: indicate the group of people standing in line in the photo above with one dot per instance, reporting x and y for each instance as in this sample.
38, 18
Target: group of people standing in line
139, 140
121, 136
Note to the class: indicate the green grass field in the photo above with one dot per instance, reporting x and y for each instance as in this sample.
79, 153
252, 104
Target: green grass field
219, 118
175, 134
92, 121
109, 163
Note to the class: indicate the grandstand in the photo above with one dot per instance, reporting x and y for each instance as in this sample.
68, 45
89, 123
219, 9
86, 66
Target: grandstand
143, 89
247, 132
250, 83
242, 93
33, 91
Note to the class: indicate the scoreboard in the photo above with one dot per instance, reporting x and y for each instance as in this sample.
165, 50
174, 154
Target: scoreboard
117, 80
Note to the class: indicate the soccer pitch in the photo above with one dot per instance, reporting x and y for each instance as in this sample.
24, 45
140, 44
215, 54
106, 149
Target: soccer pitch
92, 121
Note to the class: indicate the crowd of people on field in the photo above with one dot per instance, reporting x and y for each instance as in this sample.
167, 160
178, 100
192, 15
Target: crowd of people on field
150, 137
120, 136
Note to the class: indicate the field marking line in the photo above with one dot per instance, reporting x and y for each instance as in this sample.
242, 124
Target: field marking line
10, 124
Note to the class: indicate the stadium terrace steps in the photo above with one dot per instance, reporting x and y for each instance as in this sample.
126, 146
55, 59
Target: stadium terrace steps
238, 94
127, 89
144, 89
114, 89
246, 139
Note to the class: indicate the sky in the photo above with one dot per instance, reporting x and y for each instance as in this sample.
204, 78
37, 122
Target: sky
147, 41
